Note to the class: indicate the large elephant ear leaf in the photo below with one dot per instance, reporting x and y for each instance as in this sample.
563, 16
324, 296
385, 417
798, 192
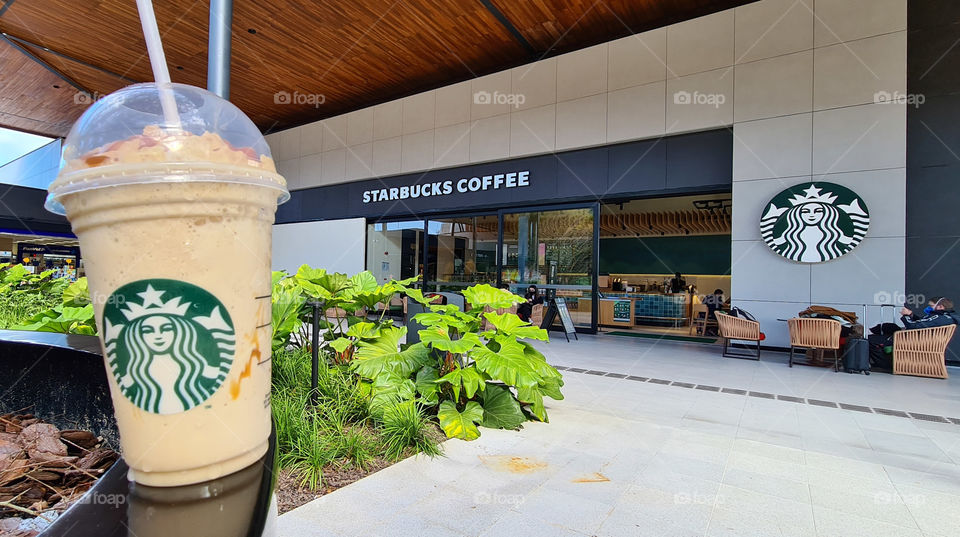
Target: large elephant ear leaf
533, 397
469, 378
500, 409
438, 338
383, 354
427, 384
512, 325
509, 364
458, 424
480, 296
389, 389
310, 274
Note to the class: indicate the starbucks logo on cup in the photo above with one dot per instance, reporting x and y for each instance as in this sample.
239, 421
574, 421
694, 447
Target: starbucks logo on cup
169, 344
814, 222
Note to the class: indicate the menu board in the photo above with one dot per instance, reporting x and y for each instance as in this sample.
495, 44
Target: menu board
564, 315
622, 311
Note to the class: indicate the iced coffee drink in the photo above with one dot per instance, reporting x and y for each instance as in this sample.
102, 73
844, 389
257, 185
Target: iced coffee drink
174, 223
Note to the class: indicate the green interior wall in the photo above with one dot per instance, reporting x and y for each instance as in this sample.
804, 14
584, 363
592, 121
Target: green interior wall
696, 254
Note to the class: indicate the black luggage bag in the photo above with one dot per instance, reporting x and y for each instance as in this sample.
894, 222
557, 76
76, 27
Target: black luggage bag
856, 356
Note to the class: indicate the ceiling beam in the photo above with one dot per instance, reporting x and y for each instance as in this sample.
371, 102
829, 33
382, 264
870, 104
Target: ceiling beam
42, 63
510, 27
69, 58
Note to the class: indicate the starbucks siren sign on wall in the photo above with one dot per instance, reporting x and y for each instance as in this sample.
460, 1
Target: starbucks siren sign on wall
814, 222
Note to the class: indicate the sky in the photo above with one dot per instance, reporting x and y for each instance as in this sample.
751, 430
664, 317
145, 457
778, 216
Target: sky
15, 144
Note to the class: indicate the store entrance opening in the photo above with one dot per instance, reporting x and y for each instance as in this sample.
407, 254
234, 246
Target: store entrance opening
661, 262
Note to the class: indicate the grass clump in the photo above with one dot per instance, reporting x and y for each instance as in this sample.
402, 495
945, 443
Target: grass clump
339, 431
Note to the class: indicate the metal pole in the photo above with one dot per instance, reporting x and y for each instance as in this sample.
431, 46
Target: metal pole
218, 53
315, 348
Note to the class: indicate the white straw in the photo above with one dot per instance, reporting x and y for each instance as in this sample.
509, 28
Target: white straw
159, 63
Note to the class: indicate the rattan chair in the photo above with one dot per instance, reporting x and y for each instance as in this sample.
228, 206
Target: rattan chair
921, 352
813, 333
736, 328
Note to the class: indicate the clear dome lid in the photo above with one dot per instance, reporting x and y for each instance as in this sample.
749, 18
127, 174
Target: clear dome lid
126, 138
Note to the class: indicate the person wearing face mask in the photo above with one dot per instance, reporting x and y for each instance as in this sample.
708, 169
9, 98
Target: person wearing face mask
526, 308
939, 312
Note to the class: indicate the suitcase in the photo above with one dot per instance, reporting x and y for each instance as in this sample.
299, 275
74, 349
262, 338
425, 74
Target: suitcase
856, 356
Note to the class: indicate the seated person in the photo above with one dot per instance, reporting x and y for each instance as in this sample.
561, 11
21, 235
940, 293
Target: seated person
713, 302
524, 309
939, 312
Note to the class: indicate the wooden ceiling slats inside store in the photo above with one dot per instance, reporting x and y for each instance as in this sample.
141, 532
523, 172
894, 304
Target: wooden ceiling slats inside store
355, 53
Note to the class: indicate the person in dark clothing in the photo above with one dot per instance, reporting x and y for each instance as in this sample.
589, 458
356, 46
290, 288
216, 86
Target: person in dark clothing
677, 284
526, 308
713, 303
939, 312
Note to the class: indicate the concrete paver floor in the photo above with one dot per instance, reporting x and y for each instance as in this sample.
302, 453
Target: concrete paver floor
631, 458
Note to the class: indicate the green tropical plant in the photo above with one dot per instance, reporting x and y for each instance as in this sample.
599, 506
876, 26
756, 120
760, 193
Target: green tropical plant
457, 362
43, 303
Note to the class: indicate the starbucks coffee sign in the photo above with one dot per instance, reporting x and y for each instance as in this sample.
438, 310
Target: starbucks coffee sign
814, 222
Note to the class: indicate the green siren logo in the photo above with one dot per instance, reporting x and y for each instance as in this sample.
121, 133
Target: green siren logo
169, 344
814, 222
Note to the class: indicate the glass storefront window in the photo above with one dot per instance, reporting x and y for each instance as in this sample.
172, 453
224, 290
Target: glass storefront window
394, 249
554, 251
461, 252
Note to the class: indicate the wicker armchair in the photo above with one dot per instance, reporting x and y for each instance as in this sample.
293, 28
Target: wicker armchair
735, 328
920, 352
813, 333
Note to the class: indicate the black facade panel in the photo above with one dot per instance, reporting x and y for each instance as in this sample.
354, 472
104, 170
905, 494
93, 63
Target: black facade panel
21, 208
696, 162
582, 173
927, 215
933, 152
933, 136
702, 159
639, 167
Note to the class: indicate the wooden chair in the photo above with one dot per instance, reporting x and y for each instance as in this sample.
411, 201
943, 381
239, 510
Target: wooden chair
736, 328
699, 321
536, 315
921, 352
813, 333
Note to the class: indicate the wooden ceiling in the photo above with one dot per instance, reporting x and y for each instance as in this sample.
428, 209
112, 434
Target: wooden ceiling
356, 53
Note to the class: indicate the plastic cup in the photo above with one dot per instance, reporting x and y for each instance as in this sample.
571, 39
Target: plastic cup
174, 222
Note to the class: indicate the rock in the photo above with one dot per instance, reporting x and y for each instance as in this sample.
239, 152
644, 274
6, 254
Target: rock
9, 449
83, 439
42, 438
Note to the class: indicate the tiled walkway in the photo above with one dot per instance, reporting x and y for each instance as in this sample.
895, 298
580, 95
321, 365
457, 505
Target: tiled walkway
624, 457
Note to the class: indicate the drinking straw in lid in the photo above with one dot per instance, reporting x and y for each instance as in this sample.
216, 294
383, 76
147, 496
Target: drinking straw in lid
158, 62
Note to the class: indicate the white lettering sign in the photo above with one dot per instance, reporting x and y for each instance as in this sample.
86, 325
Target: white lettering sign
464, 185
